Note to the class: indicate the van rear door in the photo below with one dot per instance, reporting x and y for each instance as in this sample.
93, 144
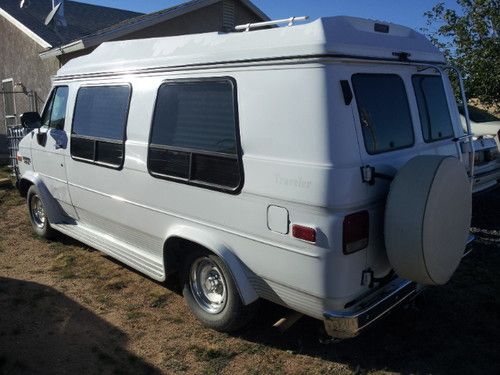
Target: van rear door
400, 113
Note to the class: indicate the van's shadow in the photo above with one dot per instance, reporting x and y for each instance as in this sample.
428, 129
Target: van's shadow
452, 329
44, 332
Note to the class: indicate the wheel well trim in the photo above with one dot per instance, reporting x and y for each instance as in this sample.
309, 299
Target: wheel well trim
52, 208
210, 242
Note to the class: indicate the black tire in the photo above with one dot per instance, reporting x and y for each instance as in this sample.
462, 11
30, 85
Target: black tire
40, 226
234, 314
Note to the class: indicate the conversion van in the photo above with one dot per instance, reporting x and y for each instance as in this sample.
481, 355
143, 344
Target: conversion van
320, 166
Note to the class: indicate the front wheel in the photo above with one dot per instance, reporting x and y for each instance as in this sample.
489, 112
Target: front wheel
211, 293
38, 217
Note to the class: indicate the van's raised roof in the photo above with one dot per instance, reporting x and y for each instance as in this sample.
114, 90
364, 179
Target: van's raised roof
335, 36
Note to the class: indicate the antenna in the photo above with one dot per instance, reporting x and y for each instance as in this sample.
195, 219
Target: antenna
52, 13
290, 21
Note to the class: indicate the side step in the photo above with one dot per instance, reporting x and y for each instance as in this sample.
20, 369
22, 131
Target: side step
117, 249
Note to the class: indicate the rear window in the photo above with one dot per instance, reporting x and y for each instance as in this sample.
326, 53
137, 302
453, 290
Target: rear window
384, 112
432, 107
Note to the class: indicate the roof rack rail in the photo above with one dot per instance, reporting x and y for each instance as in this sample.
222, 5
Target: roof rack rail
290, 21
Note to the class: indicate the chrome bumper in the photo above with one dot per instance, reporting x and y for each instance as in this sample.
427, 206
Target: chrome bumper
347, 324
485, 180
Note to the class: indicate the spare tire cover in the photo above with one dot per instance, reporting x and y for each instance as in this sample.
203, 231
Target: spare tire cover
427, 218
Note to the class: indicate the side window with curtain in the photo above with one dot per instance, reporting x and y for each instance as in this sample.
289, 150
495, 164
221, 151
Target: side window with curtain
99, 123
194, 136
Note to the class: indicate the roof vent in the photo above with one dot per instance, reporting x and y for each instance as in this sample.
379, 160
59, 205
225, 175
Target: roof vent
56, 15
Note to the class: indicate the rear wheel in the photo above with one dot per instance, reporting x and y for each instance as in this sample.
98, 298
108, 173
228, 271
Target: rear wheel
38, 216
211, 293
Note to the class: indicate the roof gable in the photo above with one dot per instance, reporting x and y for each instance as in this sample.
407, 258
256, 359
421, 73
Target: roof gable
142, 21
82, 19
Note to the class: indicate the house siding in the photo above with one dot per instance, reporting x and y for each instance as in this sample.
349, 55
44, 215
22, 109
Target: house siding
19, 60
207, 19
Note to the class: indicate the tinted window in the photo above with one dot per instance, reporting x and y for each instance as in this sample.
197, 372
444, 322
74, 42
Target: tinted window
99, 122
54, 113
101, 112
194, 134
383, 111
432, 107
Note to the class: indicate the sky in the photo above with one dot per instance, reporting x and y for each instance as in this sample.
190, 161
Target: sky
404, 12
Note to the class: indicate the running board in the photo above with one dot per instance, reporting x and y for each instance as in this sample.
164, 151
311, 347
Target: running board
114, 248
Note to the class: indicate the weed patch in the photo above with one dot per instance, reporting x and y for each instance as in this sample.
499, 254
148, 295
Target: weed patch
10, 198
116, 285
64, 266
215, 359
133, 315
158, 300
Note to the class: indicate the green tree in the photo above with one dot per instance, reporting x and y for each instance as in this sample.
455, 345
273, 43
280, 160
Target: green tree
470, 39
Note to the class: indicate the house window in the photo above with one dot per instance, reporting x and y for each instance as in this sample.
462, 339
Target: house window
432, 107
194, 137
384, 112
99, 123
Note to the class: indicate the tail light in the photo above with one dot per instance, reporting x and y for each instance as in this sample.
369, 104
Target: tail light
304, 233
356, 232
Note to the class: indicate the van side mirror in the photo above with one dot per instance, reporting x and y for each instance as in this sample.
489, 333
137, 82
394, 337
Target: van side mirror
31, 120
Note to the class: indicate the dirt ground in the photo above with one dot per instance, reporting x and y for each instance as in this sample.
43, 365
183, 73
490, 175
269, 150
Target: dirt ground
65, 308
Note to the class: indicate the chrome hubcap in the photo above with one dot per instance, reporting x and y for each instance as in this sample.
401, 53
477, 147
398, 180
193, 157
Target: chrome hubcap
208, 285
37, 211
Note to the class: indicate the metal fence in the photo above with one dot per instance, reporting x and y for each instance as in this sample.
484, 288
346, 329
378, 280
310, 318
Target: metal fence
14, 134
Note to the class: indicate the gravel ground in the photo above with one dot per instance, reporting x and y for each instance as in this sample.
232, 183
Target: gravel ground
65, 308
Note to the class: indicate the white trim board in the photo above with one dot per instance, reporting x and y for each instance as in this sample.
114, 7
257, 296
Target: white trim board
24, 29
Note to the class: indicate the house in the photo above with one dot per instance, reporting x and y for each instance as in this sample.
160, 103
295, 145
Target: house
39, 36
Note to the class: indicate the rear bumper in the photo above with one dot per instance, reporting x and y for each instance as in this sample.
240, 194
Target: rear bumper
486, 180
347, 324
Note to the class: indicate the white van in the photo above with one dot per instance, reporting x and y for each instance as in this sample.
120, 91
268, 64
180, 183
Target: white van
322, 167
